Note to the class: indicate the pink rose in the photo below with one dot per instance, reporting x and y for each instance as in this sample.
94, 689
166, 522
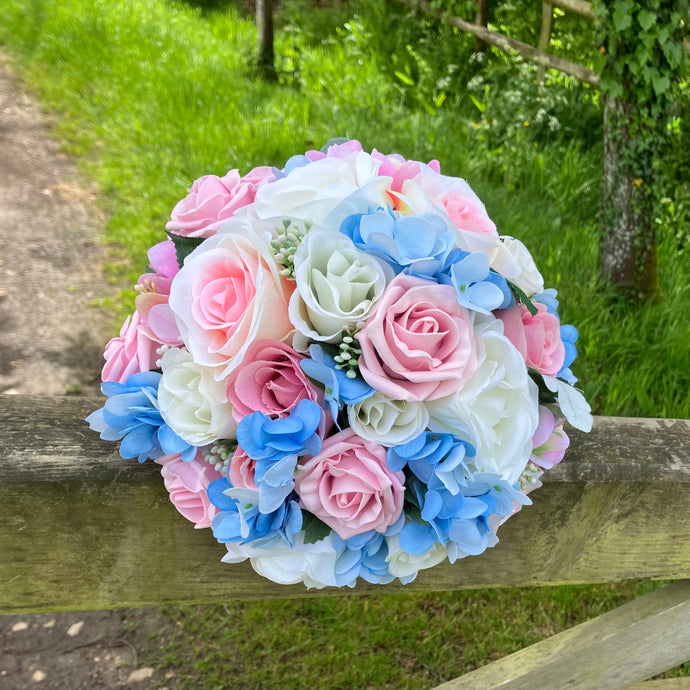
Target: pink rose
129, 353
211, 201
187, 483
419, 344
550, 441
466, 215
538, 337
349, 487
227, 295
241, 470
156, 320
270, 380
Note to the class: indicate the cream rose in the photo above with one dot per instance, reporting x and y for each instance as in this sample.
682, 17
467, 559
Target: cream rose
192, 403
497, 411
386, 421
405, 565
337, 285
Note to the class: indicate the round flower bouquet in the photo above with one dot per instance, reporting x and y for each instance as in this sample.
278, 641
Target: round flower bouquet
342, 368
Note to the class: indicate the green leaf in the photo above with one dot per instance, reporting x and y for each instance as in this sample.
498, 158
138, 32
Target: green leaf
646, 18
314, 529
184, 246
404, 78
622, 15
481, 107
546, 396
414, 513
531, 308
661, 84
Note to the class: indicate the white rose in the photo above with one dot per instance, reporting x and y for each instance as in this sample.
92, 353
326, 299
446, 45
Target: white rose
337, 285
497, 410
312, 564
514, 262
313, 191
406, 566
386, 421
192, 403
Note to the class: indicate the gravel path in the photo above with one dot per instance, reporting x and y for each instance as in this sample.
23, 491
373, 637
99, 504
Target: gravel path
51, 343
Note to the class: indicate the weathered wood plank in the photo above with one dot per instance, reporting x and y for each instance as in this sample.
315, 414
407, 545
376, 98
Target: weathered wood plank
636, 641
82, 528
507, 44
682, 683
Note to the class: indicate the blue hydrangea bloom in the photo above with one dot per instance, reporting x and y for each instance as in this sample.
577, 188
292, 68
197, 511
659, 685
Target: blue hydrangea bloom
476, 286
339, 388
240, 519
418, 245
362, 556
440, 460
276, 444
131, 415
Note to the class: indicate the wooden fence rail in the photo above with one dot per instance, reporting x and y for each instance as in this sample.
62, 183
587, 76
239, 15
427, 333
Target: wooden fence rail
81, 528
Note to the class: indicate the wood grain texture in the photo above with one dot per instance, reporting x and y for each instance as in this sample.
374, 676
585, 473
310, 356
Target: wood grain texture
81, 528
633, 642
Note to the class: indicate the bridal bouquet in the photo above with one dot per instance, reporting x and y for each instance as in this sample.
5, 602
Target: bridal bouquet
342, 368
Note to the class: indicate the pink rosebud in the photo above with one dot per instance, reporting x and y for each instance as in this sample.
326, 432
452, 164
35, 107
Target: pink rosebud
129, 353
269, 380
211, 201
550, 441
466, 215
349, 487
537, 338
241, 470
419, 344
187, 483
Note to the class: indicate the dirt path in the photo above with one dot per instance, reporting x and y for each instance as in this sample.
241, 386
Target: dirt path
51, 343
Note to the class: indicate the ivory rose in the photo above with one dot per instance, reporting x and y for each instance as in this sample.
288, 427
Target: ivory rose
192, 402
496, 411
186, 483
537, 338
223, 296
213, 200
270, 380
419, 343
349, 487
337, 285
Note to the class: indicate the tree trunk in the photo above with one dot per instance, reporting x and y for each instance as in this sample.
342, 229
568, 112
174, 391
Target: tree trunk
481, 18
628, 248
264, 25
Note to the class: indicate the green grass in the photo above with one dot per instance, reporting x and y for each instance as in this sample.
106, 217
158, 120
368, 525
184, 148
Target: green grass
153, 94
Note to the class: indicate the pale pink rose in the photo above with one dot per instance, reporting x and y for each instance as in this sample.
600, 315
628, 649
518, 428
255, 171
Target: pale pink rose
227, 295
211, 201
538, 337
349, 487
269, 380
336, 151
259, 176
241, 470
419, 343
466, 215
129, 353
187, 483
550, 441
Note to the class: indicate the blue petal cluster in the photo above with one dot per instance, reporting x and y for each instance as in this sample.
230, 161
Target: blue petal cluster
131, 415
240, 519
276, 444
418, 245
339, 389
454, 501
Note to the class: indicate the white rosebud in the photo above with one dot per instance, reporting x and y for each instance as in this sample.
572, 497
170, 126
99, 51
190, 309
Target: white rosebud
514, 262
386, 421
405, 565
